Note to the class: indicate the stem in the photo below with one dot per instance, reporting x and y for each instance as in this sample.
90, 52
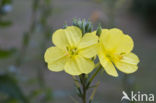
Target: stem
84, 94
84, 89
85, 85
93, 93
19, 59
93, 76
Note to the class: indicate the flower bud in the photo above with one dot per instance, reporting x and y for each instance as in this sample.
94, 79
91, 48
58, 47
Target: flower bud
85, 26
99, 30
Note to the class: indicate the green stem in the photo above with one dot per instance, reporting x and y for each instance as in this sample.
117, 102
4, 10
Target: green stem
93, 76
84, 94
84, 84
84, 89
24, 47
93, 93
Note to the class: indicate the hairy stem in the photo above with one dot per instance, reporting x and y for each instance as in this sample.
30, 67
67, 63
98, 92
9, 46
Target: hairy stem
84, 83
84, 89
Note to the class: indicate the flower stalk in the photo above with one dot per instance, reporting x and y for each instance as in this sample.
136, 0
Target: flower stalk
93, 76
84, 84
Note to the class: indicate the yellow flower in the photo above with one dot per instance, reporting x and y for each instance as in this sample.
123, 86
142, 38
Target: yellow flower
72, 51
115, 50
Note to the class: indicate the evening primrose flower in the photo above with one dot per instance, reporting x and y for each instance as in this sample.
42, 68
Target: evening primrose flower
72, 51
115, 50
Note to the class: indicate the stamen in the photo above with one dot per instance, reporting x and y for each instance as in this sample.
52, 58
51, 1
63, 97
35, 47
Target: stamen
72, 51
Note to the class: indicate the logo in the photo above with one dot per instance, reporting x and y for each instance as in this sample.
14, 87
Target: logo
125, 96
140, 97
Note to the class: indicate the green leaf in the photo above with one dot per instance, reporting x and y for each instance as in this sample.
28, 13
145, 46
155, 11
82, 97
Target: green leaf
48, 95
9, 100
7, 53
9, 86
6, 2
5, 23
35, 93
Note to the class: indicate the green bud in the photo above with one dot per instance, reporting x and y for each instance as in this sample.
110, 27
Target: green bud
79, 23
89, 26
99, 30
65, 25
85, 26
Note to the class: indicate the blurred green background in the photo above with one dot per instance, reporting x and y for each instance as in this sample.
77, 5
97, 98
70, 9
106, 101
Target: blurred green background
26, 27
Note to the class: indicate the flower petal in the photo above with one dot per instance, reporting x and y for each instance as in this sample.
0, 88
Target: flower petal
55, 58
71, 67
88, 39
89, 52
57, 65
128, 64
88, 45
78, 65
130, 58
107, 64
53, 54
115, 40
85, 65
67, 37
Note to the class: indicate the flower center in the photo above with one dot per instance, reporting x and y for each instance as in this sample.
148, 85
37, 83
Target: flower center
113, 57
72, 51
110, 57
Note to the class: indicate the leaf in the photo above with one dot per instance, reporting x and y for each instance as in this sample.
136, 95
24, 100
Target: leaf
6, 2
7, 53
5, 23
9, 100
9, 87
48, 95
